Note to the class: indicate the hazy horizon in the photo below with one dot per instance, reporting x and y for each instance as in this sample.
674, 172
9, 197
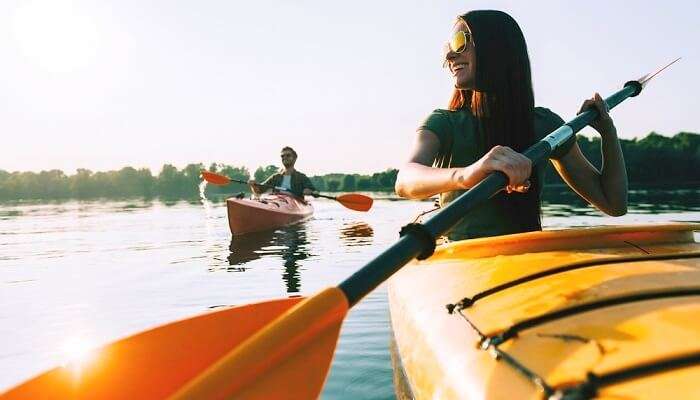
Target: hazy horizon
103, 85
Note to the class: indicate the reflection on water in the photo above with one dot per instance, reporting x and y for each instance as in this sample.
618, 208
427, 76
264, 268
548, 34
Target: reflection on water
9, 214
356, 234
289, 243
169, 202
248, 247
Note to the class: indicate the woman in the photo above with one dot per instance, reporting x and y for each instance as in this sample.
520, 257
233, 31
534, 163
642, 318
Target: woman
490, 120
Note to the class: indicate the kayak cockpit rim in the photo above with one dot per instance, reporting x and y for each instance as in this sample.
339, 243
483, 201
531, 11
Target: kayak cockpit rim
568, 239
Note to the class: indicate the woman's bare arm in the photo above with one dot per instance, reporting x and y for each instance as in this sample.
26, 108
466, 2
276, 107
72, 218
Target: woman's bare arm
606, 189
417, 179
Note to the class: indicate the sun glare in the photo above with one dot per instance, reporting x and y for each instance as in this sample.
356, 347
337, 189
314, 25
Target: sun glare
56, 35
77, 352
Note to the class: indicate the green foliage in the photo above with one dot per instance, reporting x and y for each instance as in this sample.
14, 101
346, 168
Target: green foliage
377, 182
349, 183
364, 183
263, 173
333, 186
651, 160
124, 183
240, 173
169, 181
655, 158
319, 183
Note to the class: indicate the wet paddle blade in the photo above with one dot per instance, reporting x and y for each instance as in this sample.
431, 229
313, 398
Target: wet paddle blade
354, 201
156, 363
289, 358
215, 179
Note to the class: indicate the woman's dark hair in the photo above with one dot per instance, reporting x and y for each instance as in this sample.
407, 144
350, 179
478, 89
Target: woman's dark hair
503, 101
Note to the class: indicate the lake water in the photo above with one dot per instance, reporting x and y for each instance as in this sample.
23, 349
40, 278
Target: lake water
79, 274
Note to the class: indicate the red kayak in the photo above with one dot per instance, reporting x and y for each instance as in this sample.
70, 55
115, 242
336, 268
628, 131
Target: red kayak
267, 212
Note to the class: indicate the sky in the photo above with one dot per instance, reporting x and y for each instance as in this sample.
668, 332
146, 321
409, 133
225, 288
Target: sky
106, 84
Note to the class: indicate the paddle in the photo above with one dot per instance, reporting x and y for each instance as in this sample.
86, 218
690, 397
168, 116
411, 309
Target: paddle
353, 201
275, 349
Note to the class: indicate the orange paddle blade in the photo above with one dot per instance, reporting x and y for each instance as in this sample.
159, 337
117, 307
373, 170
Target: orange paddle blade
288, 359
354, 201
157, 363
215, 179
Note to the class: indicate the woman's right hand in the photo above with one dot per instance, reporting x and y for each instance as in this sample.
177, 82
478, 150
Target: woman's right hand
516, 166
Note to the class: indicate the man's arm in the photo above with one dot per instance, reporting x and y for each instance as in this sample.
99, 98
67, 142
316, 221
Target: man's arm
308, 187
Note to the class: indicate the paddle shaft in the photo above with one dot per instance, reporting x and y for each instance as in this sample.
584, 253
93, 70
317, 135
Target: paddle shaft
245, 183
266, 186
324, 196
412, 244
273, 187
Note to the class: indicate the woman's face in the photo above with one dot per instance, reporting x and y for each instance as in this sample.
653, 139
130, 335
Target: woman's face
462, 65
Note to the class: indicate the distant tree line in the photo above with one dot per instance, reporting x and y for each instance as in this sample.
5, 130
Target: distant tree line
651, 160
654, 159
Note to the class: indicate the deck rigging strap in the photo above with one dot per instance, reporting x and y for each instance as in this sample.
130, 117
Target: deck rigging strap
587, 389
469, 301
666, 293
593, 383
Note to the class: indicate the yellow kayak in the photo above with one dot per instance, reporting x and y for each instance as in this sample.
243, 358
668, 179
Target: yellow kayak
607, 312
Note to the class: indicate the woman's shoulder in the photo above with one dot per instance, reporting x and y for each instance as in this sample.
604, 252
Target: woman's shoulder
459, 113
444, 123
441, 119
441, 114
546, 121
544, 113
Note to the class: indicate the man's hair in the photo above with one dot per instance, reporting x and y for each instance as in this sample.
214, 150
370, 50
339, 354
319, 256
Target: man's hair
290, 149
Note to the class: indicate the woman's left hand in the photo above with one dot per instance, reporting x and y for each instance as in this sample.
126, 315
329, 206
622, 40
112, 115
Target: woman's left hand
603, 124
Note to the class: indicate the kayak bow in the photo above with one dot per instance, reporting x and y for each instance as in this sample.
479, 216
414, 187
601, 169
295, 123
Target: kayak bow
268, 212
605, 312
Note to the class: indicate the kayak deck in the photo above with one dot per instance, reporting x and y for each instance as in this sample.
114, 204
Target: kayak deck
609, 310
268, 212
